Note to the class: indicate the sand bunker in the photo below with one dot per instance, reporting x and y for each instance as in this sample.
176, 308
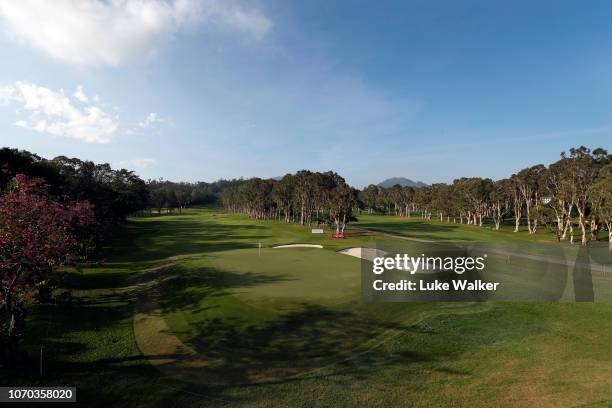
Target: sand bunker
364, 253
299, 246
370, 253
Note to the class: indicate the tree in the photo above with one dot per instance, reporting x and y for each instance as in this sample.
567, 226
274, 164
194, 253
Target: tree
527, 182
342, 200
422, 198
582, 171
517, 201
369, 197
600, 194
500, 198
473, 194
440, 197
407, 199
37, 235
303, 194
282, 194
560, 194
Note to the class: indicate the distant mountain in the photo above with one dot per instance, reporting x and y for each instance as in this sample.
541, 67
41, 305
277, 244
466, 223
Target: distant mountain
402, 181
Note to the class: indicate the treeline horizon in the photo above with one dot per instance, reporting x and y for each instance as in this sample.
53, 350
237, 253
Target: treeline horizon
573, 191
115, 193
576, 189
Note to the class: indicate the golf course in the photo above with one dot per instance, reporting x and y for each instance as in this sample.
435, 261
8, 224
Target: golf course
296, 204
200, 309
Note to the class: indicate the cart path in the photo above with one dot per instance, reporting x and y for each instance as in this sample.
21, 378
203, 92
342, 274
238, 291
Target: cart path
597, 267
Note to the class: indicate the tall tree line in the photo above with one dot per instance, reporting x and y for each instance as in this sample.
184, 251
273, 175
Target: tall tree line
114, 193
575, 191
170, 196
305, 197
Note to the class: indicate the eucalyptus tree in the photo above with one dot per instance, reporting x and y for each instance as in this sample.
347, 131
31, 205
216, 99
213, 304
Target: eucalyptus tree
342, 198
395, 198
600, 194
408, 200
440, 199
472, 195
382, 200
422, 199
369, 196
480, 192
323, 183
282, 195
500, 199
527, 182
583, 168
303, 194
517, 201
560, 194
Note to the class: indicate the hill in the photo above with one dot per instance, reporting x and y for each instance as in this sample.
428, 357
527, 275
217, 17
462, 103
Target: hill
402, 181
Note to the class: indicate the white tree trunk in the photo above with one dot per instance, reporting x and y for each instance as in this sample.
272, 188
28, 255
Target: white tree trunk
582, 223
528, 207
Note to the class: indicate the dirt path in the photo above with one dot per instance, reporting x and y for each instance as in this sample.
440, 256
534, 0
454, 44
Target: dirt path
154, 338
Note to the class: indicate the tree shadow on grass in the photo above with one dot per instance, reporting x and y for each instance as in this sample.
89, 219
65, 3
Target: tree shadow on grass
155, 240
295, 343
185, 288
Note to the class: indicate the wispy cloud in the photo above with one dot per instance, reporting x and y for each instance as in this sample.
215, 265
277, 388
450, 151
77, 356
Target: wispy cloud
114, 32
80, 94
150, 120
141, 163
54, 113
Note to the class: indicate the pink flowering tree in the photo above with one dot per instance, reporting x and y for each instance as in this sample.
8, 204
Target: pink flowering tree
38, 234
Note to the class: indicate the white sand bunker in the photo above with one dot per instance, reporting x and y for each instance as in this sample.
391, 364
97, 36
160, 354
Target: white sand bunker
299, 246
364, 253
370, 253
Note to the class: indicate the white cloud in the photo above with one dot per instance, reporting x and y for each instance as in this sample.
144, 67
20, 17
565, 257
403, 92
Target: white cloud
234, 16
113, 32
138, 163
54, 113
150, 120
80, 94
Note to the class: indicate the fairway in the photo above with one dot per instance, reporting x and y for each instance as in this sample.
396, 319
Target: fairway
218, 324
247, 312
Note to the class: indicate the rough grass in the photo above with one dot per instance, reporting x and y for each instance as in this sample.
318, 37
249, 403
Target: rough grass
317, 348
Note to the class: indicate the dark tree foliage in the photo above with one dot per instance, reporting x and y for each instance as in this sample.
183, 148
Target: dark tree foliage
169, 195
14, 161
38, 234
115, 194
305, 197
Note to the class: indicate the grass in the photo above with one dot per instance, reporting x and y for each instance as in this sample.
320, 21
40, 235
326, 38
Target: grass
435, 229
288, 328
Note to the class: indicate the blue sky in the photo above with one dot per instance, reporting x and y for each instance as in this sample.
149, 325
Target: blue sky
198, 90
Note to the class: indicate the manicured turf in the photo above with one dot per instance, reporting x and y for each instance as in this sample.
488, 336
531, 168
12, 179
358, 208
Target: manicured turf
295, 316
435, 229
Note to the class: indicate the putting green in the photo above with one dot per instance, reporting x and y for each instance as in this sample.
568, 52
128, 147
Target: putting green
292, 275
